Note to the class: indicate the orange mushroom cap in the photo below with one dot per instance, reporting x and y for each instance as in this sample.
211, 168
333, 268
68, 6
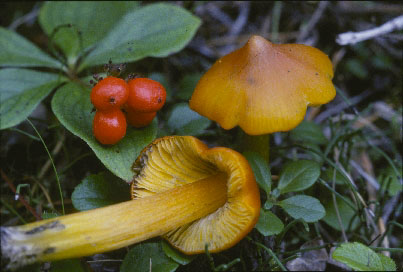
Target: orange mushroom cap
178, 160
264, 87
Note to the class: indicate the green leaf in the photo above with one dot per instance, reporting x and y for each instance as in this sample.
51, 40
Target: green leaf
21, 91
389, 181
147, 257
175, 255
269, 223
156, 30
268, 204
388, 263
301, 206
314, 151
67, 266
15, 50
346, 213
298, 176
187, 85
162, 78
184, 121
309, 132
357, 68
339, 178
260, 169
91, 19
362, 258
72, 106
99, 190
36, 267
382, 61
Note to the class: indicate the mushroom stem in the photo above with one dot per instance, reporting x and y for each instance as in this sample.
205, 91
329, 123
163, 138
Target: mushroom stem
116, 226
257, 143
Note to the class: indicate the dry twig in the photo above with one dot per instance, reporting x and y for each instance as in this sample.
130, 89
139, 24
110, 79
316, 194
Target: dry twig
355, 37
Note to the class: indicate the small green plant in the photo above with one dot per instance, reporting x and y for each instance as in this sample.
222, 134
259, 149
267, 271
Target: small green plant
122, 32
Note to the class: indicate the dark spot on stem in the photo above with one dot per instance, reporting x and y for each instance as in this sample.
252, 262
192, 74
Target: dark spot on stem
49, 250
50, 225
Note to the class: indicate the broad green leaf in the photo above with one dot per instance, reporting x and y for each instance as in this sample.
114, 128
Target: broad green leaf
176, 255
260, 169
147, 257
15, 50
99, 190
308, 131
388, 263
301, 206
361, 258
298, 176
346, 213
72, 106
155, 30
184, 121
269, 223
91, 19
187, 85
21, 90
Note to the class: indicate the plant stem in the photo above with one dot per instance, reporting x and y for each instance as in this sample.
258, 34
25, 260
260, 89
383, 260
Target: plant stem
273, 255
259, 144
53, 164
281, 235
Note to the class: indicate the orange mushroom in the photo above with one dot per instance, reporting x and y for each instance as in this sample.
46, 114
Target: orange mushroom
264, 87
190, 194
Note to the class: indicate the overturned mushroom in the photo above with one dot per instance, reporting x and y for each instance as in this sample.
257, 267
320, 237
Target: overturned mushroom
190, 194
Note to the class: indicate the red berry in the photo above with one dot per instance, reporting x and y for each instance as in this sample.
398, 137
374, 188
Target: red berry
146, 95
109, 93
139, 119
109, 127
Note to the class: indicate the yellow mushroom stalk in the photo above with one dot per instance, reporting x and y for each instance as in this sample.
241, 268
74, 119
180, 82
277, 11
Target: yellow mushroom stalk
182, 190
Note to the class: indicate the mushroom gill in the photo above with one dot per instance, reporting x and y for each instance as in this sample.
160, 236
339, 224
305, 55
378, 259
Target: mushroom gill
174, 161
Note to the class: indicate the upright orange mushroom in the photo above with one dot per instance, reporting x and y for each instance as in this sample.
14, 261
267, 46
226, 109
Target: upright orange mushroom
264, 87
190, 194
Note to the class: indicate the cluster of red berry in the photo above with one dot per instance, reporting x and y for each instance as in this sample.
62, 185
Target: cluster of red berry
140, 99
